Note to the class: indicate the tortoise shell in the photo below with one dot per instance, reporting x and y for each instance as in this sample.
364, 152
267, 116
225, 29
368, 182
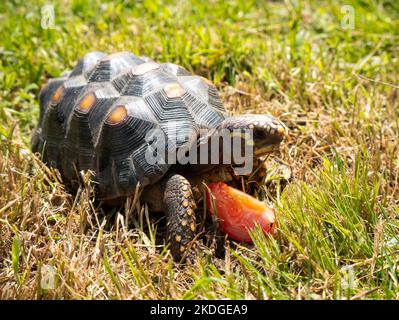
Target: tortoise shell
97, 117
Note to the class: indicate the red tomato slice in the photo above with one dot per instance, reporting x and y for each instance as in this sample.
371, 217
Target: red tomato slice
239, 212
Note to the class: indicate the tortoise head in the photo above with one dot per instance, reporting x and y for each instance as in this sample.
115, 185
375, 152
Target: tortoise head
266, 132
240, 139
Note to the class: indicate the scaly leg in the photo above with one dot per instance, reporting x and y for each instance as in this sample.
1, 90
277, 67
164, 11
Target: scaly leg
179, 207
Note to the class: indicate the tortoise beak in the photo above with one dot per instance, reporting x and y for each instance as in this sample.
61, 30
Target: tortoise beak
267, 138
262, 151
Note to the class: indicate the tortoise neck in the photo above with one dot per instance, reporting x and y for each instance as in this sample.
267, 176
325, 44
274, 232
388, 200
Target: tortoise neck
225, 145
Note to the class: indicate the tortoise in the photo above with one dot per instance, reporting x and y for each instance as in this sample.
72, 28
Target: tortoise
97, 117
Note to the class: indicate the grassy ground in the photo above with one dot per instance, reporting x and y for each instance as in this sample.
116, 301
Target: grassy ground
335, 86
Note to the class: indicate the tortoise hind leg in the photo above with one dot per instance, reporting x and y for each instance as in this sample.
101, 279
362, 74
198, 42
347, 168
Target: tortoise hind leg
179, 208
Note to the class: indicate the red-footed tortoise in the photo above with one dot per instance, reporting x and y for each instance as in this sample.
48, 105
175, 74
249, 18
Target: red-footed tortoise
98, 118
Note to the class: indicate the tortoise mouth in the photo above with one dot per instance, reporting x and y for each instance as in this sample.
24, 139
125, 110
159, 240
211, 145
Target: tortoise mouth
264, 150
266, 141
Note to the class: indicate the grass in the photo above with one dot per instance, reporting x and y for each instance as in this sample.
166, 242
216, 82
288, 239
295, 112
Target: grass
336, 89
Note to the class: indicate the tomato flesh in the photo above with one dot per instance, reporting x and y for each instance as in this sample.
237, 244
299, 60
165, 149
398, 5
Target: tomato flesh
238, 212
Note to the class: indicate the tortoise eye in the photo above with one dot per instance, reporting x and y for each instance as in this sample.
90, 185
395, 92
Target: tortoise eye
118, 115
57, 95
87, 102
260, 134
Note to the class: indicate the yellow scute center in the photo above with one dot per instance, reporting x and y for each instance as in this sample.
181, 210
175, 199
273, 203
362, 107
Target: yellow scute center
174, 90
117, 115
87, 102
57, 95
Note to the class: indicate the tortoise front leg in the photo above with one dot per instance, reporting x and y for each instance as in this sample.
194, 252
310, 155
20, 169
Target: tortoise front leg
179, 208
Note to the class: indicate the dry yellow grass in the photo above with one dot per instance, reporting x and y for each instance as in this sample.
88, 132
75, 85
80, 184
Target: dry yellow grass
336, 90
